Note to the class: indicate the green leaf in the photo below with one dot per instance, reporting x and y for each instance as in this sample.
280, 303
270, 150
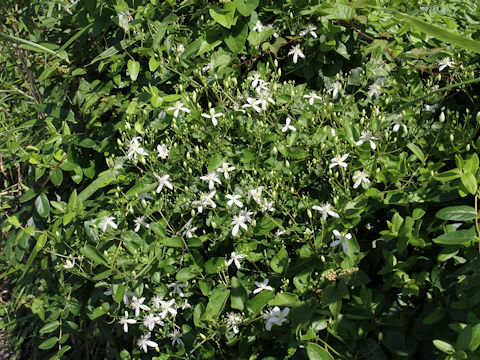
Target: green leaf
316, 352
438, 32
239, 295
283, 299
121, 45
340, 11
216, 303
51, 326
133, 69
42, 205
214, 265
448, 175
456, 237
175, 242
102, 180
48, 344
256, 304
237, 37
225, 16
56, 176
456, 213
279, 262
185, 274
118, 293
444, 346
470, 182
246, 7
72, 201
41, 241
93, 254
416, 151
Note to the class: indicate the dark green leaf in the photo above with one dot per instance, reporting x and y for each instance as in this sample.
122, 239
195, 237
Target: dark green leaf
93, 254
456, 237
239, 295
456, 213
316, 352
42, 205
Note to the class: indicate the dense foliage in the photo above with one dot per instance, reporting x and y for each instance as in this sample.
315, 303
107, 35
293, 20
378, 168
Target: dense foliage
244, 179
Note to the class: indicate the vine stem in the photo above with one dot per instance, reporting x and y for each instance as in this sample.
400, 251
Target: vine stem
476, 222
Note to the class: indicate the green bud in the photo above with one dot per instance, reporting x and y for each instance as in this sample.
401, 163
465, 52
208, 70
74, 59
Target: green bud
441, 118
309, 213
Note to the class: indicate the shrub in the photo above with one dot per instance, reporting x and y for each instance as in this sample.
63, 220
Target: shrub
244, 179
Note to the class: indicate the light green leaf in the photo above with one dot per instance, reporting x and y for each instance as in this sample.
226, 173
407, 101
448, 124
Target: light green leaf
133, 69
48, 344
225, 16
246, 7
316, 352
121, 45
93, 254
283, 299
444, 346
239, 295
42, 205
185, 274
456, 213
51, 326
256, 304
237, 37
216, 303
456, 237
470, 182
416, 151
279, 262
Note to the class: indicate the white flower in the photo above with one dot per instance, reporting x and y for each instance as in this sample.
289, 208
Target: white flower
186, 305
163, 151
106, 222
225, 169
264, 99
247, 215
126, 294
262, 86
177, 288
125, 321
296, 52
139, 222
156, 301
262, 286
213, 116
69, 264
326, 209
143, 197
430, 108
310, 29
341, 239
238, 221
275, 316
209, 66
338, 160
233, 199
445, 62
256, 194
375, 88
255, 79
253, 103
135, 149
189, 230
211, 178
177, 107
124, 18
336, 86
180, 49
150, 320
233, 320
258, 26
280, 232
367, 136
205, 200
137, 304
312, 96
308, 232
287, 125
268, 205
359, 177
397, 124
167, 307
144, 341
234, 259
176, 338
163, 181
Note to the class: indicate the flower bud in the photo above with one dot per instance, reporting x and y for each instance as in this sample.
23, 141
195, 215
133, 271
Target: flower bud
333, 132
287, 163
452, 137
468, 147
441, 118
119, 142
192, 213
214, 224
309, 213
275, 150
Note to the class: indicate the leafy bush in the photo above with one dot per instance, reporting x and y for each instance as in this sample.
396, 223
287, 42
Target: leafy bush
244, 179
